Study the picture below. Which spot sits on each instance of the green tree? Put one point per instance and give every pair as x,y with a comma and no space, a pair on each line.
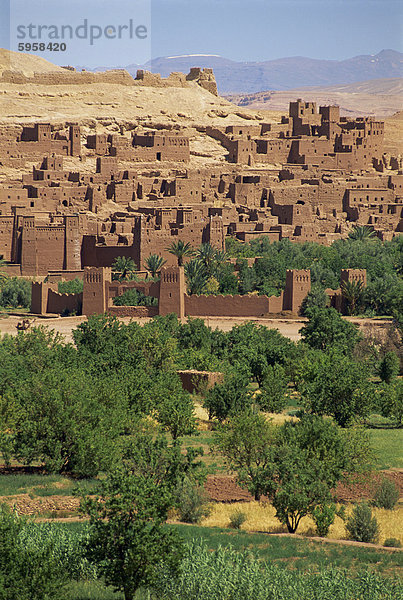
361,525
228,398
196,277
134,297
74,286
207,255
389,367
352,292
15,292
124,267
309,458
128,540
334,384
175,413
273,391
390,400
246,443
3,275
64,420
361,233
316,298
327,330
154,264
180,249
384,295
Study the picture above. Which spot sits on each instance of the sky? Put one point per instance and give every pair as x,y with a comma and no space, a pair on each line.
242,30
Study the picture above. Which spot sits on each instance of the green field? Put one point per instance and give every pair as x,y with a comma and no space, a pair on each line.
284,551
388,445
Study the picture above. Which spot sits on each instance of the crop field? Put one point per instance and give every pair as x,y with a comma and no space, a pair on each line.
260,517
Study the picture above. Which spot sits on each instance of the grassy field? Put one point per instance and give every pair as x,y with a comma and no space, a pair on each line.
293,553
260,517
388,444
41,485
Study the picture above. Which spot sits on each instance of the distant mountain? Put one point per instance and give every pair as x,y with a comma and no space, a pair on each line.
376,97
283,73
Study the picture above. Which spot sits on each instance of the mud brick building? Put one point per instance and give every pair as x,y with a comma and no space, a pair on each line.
73,197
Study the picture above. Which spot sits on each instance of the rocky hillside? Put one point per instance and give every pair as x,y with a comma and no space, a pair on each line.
107,103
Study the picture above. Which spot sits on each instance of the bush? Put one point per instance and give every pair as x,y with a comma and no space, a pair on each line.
134,297
392,543
75,286
16,292
361,525
389,367
191,502
237,519
323,516
386,494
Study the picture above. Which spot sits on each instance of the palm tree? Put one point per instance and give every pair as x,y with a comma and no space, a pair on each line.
125,266
352,292
196,276
211,258
180,250
361,233
154,263
207,254
3,275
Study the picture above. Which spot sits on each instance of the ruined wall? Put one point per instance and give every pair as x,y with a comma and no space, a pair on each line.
133,311
193,381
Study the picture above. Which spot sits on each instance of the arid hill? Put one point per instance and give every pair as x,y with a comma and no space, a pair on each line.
108,103
28,64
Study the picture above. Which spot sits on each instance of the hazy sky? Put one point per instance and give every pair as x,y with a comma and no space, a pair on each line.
250,30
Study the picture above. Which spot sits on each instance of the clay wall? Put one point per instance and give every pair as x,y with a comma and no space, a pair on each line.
133,311
193,381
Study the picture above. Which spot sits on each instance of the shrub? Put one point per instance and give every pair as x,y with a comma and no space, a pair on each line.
16,292
392,543
74,286
389,367
237,519
323,516
386,494
361,525
191,502
134,297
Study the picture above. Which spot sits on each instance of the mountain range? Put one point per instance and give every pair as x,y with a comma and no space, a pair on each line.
282,73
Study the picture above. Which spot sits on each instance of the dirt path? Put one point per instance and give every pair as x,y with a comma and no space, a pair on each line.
288,327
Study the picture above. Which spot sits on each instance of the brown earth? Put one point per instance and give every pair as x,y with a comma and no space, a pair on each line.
220,488
223,488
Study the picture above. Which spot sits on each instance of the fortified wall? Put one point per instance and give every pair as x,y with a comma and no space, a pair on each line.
203,77
99,291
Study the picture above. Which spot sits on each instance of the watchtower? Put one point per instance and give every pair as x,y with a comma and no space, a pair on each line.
297,286
354,275
75,140
95,292
172,291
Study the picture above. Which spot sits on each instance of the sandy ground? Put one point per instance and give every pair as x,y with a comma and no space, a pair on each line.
288,327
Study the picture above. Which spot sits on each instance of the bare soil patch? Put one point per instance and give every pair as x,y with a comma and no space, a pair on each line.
223,488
